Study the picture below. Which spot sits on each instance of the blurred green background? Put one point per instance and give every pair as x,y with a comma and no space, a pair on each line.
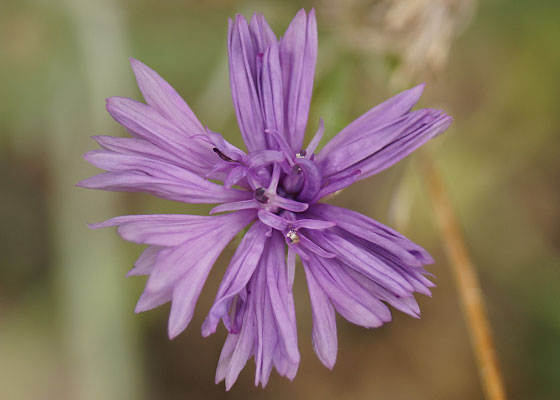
67,323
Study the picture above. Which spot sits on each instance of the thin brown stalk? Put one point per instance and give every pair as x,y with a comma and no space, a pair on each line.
470,294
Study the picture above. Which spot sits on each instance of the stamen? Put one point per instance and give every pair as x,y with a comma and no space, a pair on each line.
260,196
222,155
296,169
301,154
292,236
275,178
283,144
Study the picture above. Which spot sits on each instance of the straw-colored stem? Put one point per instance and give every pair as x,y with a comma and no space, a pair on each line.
470,294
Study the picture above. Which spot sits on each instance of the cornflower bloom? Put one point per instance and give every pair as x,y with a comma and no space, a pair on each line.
353,264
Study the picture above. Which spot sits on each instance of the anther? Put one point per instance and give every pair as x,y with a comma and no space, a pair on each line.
222,155
301,154
292,236
296,169
260,196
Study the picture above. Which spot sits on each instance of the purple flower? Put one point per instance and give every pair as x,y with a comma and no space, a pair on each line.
353,264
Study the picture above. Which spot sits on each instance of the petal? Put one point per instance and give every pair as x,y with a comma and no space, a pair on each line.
309,246
234,206
147,123
237,350
331,185
404,145
271,89
405,304
188,288
161,96
373,231
203,244
288,204
298,56
312,146
363,261
349,298
280,295
370,141
178,270
313,224
261,32
433,123
272,220
324,335
136,173
379,115
145,263
237,275
242,72
312,179
149,300
139,147
261,158
169,229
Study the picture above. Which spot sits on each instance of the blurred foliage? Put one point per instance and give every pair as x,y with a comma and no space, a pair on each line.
500,160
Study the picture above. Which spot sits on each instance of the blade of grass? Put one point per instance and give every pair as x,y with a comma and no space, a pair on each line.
470,294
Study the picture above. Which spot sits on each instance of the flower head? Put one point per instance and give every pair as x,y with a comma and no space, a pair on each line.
353,264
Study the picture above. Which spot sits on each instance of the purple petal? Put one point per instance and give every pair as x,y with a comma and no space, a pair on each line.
349,298
261,32
324,335
363,261
312,179
280,296
237,275
261,158
235,206
298,55
178,272
272,220
237,350
379,115
187,290
161,96
186,268
136,173
314,248
312,146
333,185
141,147
149,300
405,145
370,141
365,227
288,204
373,231
313,224
145,263
147,123
407,305
242,72
431,125
271,89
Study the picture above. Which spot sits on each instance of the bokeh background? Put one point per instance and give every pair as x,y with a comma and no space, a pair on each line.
67,326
